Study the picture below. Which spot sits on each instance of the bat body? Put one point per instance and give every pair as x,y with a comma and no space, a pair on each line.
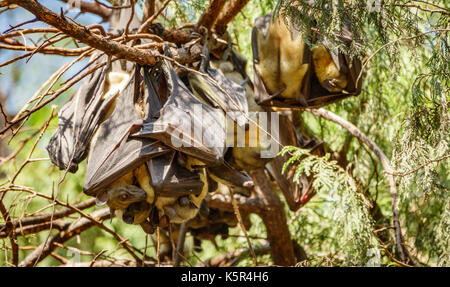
172,123
78,120
93,103
280,57
328,74
113,152
288,74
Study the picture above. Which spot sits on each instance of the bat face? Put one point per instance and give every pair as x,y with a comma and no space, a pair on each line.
121,195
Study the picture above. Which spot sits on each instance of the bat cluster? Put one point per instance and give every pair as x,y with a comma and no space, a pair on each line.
124,119
289,73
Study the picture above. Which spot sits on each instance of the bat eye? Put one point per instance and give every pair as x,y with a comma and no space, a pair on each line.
124,196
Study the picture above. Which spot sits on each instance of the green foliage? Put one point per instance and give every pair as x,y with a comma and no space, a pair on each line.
346,217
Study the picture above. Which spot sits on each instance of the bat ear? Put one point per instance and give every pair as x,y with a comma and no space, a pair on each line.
101,198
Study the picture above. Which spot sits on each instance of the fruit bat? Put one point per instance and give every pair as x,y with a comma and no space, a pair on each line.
244,156
181,121
287,74
113,153
78,119
172,98
280,58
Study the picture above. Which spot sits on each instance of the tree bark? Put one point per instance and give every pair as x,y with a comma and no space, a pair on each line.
275,220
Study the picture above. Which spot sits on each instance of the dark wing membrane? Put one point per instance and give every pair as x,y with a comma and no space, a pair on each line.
168,178
78,120
230,176
113,153
184,122
261,26
220,91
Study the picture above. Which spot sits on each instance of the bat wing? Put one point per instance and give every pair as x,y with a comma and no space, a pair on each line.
221,92
261,26
184,122
77,122
113,153
168,178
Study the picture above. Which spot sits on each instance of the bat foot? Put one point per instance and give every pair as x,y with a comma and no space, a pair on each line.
197,245
129,219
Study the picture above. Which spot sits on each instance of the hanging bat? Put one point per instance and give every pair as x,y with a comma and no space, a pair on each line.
78,120
244,156
113,153
281,60
180,113
288,75
80,117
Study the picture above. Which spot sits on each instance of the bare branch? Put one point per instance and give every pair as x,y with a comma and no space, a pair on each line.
85,36
209,16
70,231
96,8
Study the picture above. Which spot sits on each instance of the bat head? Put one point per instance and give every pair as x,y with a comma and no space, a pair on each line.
120,196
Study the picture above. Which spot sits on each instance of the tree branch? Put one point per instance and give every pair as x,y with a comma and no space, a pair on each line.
85,36
36,220
209,16
71,230
94,8
231,10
